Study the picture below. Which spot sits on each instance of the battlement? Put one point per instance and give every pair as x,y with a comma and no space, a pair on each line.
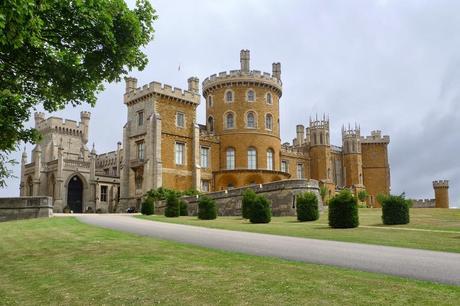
163,90
376,137
319,124
441,184
85,115
351,132
60,125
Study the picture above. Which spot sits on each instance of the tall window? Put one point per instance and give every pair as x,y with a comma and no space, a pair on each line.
210,102
251,122
180,150
252,158
321,138
269,98
269,122
205,185
140,118
300,171
284,166
251,95
204,157
140,151
230,121
210,124
229,96
270,159
103,193
230,158
180,119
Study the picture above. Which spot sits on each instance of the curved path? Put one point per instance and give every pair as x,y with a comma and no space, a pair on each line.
434,266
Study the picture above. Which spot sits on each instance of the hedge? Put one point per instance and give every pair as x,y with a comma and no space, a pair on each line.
307,207
260,211
172,208
249,197
343,210
148,206
395,210
207,208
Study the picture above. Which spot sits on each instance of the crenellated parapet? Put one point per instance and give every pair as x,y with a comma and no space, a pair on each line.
441,184
59,125
376,137
162,90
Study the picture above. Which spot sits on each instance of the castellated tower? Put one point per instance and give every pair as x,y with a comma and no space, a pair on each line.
320,150
352,159
242,109
441,193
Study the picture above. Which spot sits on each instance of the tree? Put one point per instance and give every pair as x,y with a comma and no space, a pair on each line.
260,210
395,209
343,210
362,196
55,52
172,208
207,209
249,197
148,206
323,193
307,207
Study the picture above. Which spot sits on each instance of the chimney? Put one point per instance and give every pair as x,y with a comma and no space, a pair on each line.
244,60
300,134
193,85
276,70
131,84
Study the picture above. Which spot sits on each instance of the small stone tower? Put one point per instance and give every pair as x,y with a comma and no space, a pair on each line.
441,193
320,150
85,117
352,159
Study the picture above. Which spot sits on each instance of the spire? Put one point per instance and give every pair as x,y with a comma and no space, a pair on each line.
93,151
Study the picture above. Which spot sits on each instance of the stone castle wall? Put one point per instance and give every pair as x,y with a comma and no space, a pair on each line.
281,194
425,203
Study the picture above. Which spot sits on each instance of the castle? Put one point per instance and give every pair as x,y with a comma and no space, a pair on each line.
163,145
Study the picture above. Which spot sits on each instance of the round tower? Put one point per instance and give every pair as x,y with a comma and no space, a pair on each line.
85,117
242,108
320,150
352,158
441,193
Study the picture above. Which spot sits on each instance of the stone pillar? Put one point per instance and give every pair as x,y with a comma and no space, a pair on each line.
59,192
37,170
441,193
244,61
92,180
196,176
276,70
300,129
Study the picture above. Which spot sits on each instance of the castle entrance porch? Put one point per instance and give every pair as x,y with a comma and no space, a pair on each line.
75,194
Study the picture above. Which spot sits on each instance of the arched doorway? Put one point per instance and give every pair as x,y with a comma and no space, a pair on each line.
75,194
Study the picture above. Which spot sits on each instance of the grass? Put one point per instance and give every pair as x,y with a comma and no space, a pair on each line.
62,261
440,228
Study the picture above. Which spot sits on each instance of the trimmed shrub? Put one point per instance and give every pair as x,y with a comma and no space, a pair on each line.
260,211
307,207
183,208
395,210
172,208
66,210
148,206
249,197
343,210
207,208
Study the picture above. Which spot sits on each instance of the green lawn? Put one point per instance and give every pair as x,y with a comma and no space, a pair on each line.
62,261
447,221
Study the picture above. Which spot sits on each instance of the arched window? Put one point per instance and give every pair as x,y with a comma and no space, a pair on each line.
210,124
229,96
250,120
270,159
230,121
269,122
230,158
251,96
210,102
252,158
269,98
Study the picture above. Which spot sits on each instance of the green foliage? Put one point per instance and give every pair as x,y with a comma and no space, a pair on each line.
207,208
183,208
249,197
362,195
343,210
260,211
395,210
307,207
148,206
172,208
55,52
323,193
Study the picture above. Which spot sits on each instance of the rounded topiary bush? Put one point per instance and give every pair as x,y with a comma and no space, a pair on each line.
395,210
172,208
249,197
260,210
307,207
343,210
206,208
148,206
183,208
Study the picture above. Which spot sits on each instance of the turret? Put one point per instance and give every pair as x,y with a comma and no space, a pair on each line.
85,117
441,193
276,70
351,139
319,131
352,158
300,130
244,60
193,85
131,84
39,118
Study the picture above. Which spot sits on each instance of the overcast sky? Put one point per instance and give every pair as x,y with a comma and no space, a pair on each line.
387,65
